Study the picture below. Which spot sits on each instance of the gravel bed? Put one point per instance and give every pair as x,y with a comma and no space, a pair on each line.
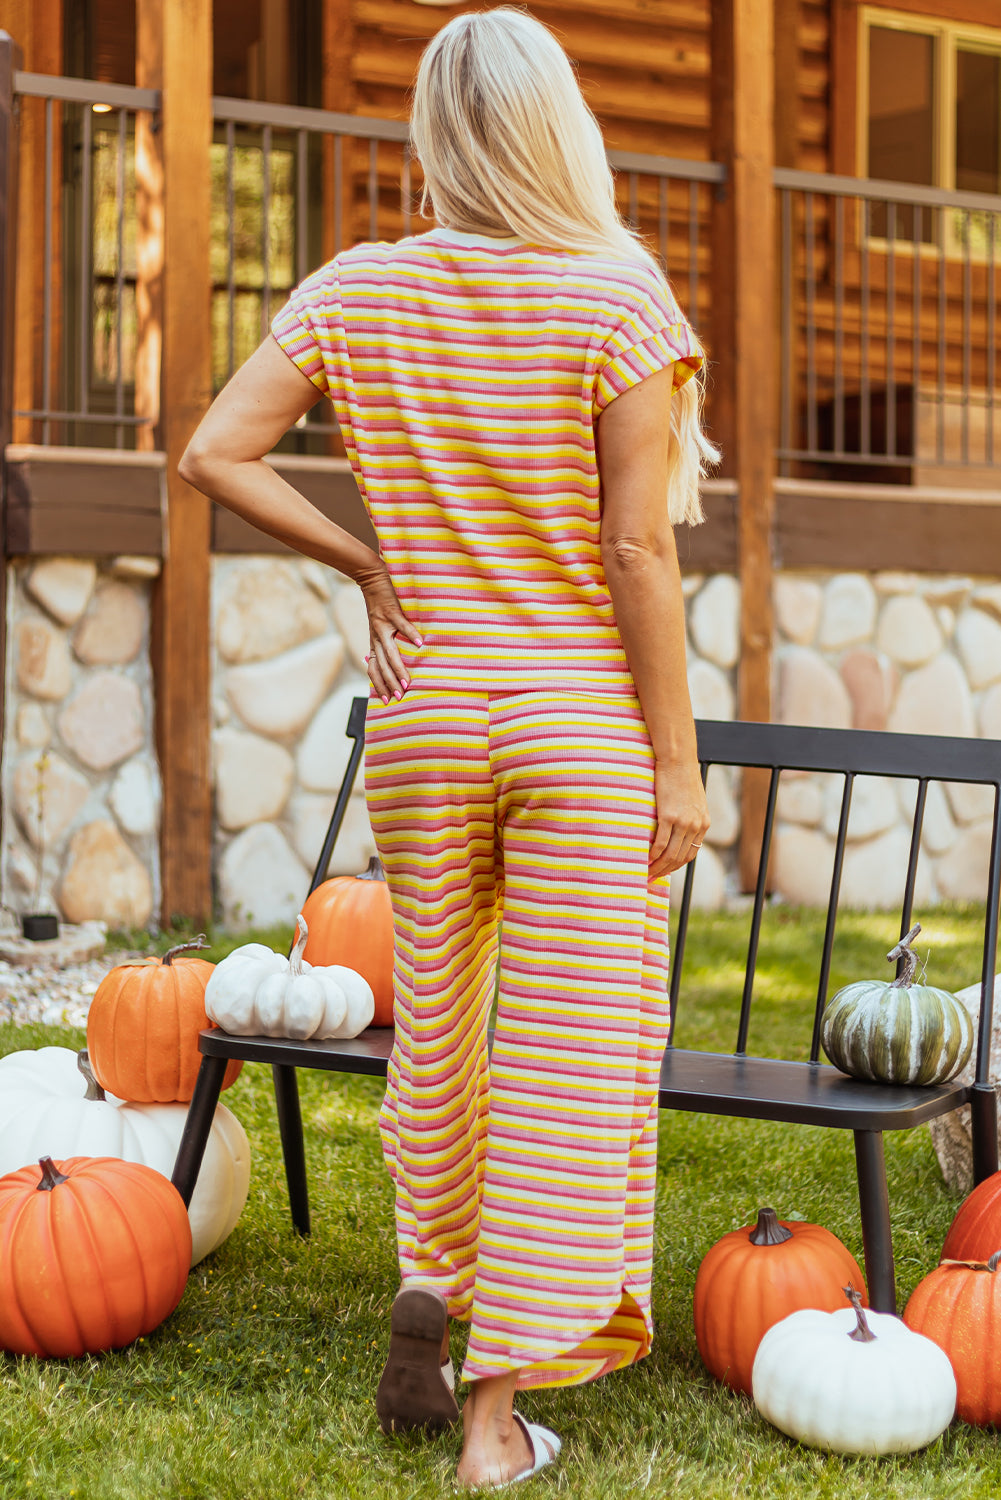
52,995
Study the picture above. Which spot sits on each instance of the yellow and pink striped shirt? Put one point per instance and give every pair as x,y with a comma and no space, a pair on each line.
467,373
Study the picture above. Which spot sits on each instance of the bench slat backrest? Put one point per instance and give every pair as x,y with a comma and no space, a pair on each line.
850,753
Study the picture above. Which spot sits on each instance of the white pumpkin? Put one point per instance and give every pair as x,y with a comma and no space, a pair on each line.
360,997
50,1107
257,992
853,1381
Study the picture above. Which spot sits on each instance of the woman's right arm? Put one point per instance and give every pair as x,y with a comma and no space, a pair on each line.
641,567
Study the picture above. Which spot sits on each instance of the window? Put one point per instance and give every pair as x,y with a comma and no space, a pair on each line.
931,115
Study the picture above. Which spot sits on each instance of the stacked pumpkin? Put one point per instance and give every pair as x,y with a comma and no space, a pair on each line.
99,1208
833,1376
350,922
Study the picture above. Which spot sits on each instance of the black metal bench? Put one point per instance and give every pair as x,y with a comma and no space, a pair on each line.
802,1093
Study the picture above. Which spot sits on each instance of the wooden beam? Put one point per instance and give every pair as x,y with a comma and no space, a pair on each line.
744,352
174,38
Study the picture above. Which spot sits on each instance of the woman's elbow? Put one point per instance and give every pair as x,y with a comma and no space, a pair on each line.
630,553
195,463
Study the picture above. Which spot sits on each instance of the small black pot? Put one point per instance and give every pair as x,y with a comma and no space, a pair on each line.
40,928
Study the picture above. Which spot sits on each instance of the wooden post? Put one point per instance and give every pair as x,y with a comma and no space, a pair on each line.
10,61
37,28
174,40
745,350
339,96
149,227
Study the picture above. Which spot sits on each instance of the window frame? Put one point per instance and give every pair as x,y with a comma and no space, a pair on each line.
949,37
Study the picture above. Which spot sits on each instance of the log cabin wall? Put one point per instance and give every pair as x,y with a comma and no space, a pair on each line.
643,65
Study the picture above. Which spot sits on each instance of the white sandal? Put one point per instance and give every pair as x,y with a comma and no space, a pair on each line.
545,1446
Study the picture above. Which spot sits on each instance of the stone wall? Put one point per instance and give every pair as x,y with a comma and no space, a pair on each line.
78,742
886,650
289,641
918,654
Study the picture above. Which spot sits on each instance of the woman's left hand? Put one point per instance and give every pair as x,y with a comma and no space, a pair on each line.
386,620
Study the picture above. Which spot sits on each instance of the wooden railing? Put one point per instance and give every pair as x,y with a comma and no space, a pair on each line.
888,338
889,330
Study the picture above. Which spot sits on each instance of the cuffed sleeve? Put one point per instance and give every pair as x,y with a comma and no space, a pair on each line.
305,326
654,335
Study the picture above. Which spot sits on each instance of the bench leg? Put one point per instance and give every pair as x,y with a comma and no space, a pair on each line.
198,1125
293,1148
984,1120
874,1202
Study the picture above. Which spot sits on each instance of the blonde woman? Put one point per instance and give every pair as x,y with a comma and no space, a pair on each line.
519,397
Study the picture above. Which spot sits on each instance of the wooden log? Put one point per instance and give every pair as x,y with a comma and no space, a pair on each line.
176,38
743,336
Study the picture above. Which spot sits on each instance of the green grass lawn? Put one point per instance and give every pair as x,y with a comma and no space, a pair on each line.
262,1383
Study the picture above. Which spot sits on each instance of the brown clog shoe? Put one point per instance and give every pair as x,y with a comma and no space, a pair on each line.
414,1392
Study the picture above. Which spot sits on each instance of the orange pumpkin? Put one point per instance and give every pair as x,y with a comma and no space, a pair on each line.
350,921
976,1230
143,1025
753,1278
94,1252
958,1307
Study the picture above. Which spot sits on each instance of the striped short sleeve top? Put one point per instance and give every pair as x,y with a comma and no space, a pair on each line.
467,373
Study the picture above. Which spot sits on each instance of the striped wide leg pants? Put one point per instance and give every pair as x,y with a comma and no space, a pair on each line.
524,1182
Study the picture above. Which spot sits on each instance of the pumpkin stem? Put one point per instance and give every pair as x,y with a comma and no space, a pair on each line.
374,871
295,957
861,1333
907,958
51,1175
768,1230
977,1265
95,1094
198,942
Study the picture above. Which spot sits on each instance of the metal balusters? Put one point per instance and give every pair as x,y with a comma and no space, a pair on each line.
301,205
663,220
120,282
891,308
785,314
810,272
230,250
991,314
787,394
265,230
940,395
832,915
85,319
916,263
693,246
47,277
839,325
373,189
988,456
865,392
759,906
338,193
964,430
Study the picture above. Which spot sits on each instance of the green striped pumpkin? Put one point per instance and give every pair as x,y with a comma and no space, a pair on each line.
898,1032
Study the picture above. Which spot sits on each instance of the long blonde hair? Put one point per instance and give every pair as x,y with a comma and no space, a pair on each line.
508,145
